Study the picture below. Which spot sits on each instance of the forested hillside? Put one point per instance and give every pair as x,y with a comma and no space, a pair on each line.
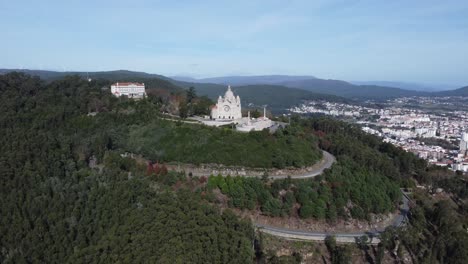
292,89
58,205
348,90
364,181
151,81
457,92
168,141
69,196
276,97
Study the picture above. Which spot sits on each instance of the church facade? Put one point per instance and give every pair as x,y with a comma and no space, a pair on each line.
227,107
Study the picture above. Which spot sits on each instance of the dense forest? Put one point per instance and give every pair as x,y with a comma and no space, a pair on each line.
325,197
58,206
368,173
67,193
363,181
169,141
277,97
437,232
139,127
136,127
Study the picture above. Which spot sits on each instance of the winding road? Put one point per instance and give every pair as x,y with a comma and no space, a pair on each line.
326,162
315,170
294,234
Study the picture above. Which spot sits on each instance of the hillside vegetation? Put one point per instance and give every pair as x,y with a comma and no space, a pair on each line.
67,195
276,97
364,180
169,141
151,81
348,90
327,89
58,206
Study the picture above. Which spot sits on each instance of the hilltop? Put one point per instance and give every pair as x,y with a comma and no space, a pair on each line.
276,91
152,81
425,87
457,92
110,75
276,97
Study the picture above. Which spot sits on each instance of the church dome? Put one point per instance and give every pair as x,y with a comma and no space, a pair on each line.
229,94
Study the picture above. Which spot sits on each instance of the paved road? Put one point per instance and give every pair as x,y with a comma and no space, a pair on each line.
326,162
340,237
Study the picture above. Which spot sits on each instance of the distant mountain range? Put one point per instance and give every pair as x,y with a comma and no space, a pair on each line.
285,79
110,75
457,92
276,91
151,80
313,84
276,98
246,80
408,85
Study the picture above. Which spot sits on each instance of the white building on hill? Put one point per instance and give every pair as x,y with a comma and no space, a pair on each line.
130,89
257,124
227,111
227,107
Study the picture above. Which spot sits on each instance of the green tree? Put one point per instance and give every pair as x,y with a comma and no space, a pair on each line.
191,94
306,210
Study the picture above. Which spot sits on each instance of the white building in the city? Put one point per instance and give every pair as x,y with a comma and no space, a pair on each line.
130,89
425,132
462,166
464,143
227,107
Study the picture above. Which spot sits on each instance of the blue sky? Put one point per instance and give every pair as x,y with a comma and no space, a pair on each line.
414,41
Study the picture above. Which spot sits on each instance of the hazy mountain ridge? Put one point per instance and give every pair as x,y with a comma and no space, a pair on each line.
212,87
246,80
408,85
463,91
348,90
277,98
316,85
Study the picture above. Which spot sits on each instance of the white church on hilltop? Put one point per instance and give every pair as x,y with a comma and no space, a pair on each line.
227,107
228,111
